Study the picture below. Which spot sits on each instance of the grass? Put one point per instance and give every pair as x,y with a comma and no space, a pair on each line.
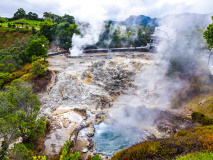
31,23
184,142
202,104
197,156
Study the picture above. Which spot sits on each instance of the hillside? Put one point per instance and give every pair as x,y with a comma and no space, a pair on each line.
187,20
141,19
9,35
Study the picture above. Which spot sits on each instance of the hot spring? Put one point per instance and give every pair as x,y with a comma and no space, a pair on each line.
112,137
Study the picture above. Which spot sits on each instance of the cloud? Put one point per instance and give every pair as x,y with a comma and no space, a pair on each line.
107,9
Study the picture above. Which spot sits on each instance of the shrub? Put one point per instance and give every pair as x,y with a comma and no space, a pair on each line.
38,69
197,156
9,25
65,152
197,116
96,157
196,139
19,109
4,78
20,152
201,118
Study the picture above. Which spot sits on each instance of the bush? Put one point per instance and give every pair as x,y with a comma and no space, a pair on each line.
38,69
20,152
201,118
9,25
197,156
197,116
19,108
35,48
192,140
4,78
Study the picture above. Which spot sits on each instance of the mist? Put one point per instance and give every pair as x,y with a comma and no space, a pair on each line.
181,57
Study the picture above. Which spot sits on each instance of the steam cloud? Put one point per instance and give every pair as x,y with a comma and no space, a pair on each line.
90,35
155,90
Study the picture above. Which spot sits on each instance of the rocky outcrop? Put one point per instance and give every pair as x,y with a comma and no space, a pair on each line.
169,123
113,78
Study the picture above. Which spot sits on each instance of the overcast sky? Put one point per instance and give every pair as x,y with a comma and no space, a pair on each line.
106,9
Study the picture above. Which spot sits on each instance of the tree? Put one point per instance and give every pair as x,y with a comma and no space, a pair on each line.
4,78
38,69
208,35
32,16
19,109
19,14
2,20
68,18
4,148
48,30
116,38
34,48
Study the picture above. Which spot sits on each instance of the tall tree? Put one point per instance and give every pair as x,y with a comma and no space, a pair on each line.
19,14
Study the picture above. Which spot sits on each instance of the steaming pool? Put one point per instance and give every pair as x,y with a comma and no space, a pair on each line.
110,138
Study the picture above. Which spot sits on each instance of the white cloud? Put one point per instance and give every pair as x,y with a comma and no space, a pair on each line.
107,9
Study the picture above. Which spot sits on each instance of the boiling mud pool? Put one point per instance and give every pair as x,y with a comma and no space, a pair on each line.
110,138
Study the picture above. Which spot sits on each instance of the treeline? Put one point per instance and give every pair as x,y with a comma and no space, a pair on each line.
21,14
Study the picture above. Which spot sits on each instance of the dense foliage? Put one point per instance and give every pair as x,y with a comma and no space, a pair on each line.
38,69
21,13
19,108
20,53
208,35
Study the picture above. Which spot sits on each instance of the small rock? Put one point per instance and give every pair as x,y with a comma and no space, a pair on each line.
99,115
202,102
85,150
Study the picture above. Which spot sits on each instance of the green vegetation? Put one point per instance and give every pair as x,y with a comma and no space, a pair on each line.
208,35
4,78
66,155
19,108
202,104
14,58
8,36
186,141
197,156
201,118
38,69
2,20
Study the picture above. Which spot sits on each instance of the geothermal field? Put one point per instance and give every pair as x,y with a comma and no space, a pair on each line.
107,102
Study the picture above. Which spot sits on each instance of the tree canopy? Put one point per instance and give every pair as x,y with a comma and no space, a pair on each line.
19,108
208,35
19,14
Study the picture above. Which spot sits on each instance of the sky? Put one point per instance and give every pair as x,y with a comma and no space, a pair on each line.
106,9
